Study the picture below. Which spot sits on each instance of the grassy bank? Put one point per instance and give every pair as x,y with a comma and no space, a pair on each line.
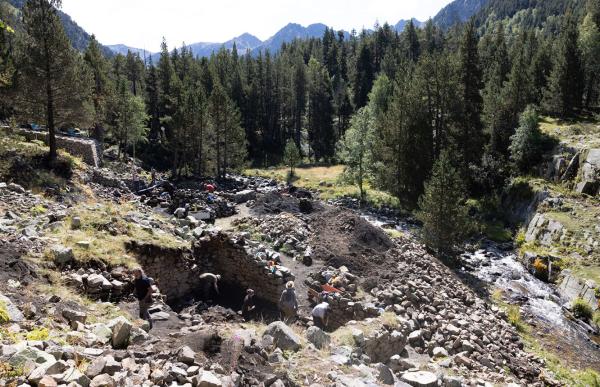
328,182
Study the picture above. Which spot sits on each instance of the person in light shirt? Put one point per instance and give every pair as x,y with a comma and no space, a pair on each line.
320,314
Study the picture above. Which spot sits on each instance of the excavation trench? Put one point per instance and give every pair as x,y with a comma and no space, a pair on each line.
176,272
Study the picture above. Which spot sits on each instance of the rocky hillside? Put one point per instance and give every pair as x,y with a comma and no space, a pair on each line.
68,316
561,234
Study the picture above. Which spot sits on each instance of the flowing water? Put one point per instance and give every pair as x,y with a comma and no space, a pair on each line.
539,301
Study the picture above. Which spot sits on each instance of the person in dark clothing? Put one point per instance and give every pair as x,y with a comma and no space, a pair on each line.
143,292
248,307
288,304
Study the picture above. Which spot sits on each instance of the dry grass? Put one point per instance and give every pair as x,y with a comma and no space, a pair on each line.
104,227
326,180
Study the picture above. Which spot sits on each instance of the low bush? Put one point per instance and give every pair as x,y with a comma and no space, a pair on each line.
581,309
4,317
38,334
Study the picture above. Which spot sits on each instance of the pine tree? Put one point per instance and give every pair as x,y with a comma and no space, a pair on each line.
564,93
589,43
526,143
469,132
444,216
53,84
355,149
291,157
152,101
405,145
365,75
128,124
321,134
227,142
103,88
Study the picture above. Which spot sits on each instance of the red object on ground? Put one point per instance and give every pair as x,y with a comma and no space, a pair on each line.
330,289
210,188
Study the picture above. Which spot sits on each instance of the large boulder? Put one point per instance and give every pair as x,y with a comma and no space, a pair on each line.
186,355
14,314
420,379
121,329
30,354
103,380
62,255
244,196
208,379
74,316
284,337
316,336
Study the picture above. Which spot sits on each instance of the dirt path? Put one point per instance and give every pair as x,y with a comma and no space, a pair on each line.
301,272
225,223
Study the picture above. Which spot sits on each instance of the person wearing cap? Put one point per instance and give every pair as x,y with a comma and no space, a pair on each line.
210,282
143,293
248,306
320,315
288,303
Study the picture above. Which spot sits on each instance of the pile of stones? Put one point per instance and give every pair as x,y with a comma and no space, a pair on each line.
285,232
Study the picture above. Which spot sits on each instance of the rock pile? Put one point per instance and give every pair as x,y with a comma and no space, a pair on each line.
286,232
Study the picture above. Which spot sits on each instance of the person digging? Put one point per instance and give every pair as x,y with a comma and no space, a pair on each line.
320,315
143,292
248,307
288,303
210,283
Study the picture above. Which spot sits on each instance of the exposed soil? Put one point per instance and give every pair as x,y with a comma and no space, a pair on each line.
343,238
273,203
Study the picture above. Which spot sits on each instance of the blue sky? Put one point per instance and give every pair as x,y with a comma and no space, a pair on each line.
142,23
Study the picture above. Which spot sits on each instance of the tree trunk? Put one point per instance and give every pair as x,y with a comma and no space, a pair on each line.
50,108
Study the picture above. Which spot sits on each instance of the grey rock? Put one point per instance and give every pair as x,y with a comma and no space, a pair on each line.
103,380
318,337
62,255
121,329
186,355
14,314
208,379
420,379
284,336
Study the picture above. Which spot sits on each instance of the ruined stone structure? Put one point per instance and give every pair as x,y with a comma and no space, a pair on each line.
85,148
238,266
342,310
173,269
176,271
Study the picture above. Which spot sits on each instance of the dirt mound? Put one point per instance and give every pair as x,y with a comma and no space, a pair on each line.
343,238
275,203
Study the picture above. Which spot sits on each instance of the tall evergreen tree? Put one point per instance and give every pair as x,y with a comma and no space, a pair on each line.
53,84
565,84
321,134
589,43
468,136
103,88
227,140
444,216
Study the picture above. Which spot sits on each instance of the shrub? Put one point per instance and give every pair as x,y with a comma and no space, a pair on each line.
596,318
513,314
520,238
581,309
38,334
4,317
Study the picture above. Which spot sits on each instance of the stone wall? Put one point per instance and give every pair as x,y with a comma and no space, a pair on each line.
176,271
81,147
342,310
173,269
238,266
